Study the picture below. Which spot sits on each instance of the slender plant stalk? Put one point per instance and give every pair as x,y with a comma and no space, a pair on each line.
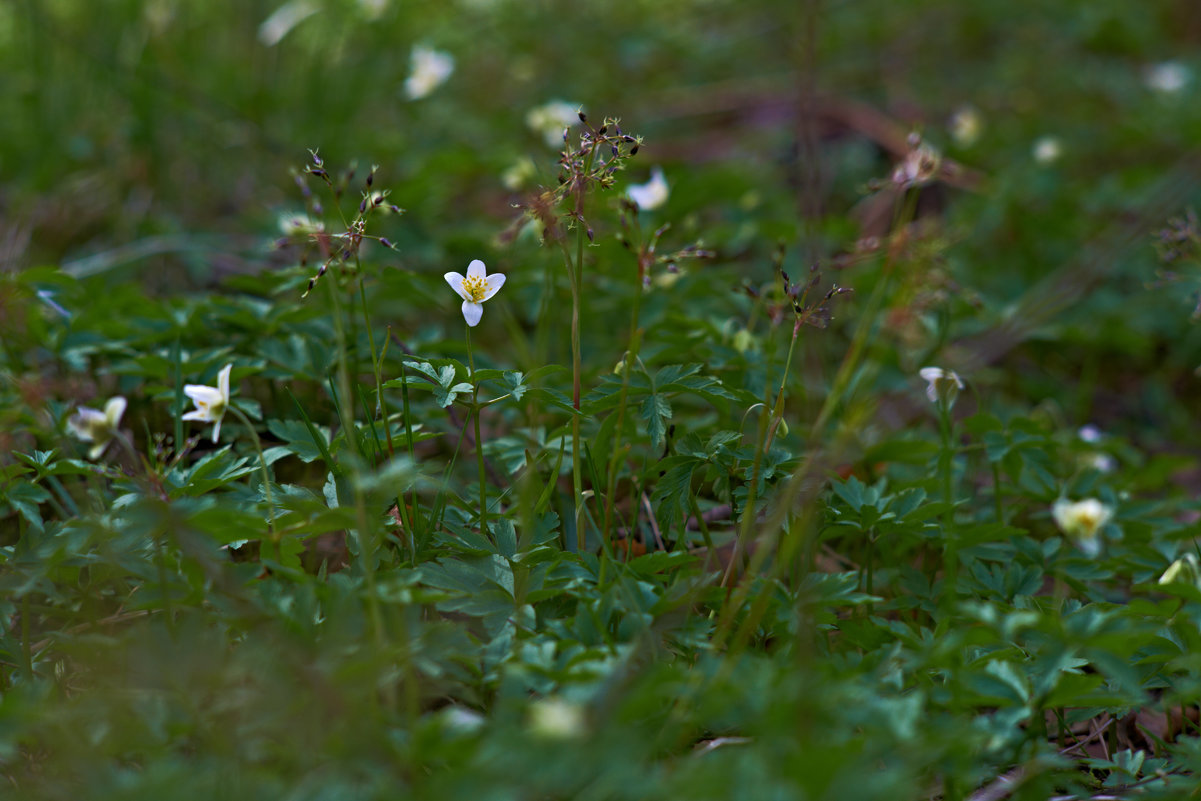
479,443
365,531
950,572
631,358
258,448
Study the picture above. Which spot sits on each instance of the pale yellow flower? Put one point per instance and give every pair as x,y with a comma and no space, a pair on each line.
550,120
474,288
1082,521
98,427
211,402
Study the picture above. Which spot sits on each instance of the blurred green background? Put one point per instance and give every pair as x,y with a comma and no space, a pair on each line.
152,140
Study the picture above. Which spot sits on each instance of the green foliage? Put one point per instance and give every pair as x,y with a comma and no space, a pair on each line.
678,520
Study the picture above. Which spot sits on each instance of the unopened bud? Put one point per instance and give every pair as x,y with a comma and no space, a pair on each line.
603,129
634,149
583,116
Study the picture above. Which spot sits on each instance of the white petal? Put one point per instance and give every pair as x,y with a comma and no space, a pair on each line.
492,285
201,394
96,450
113,411
472,312
456,283
217,430
84,422
203,415
476,269
223,382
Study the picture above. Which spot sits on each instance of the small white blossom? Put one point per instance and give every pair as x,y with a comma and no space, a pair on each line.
551,119
652,194
292,224
97,427
429,69
1090,434
556,719
474,288
965,126
1047,150
1167,77
941,385
1082,521
211,402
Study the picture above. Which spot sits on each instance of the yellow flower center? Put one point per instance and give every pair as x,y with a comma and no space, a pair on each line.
475,288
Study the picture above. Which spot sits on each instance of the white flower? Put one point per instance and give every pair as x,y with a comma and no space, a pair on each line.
1090,434
551,119
1082,521
211,402
966,125
941,385
97,427
429,69
652,194
1167,77
556,719
299,225
474,289
1047,150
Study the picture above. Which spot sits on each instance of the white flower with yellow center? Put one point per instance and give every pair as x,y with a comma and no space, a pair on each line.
97,427
474,288
429,69
211,402
1082,521
652,194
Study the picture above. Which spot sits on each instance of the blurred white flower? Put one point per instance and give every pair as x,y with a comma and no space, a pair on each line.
1101,462
474,288
211,402
292,224
1185,570
1090,434
520,173
551,119
965,126
556,719
284,19
428,70
1047,150
1167,77
652,194
941,385
97,427
1082,521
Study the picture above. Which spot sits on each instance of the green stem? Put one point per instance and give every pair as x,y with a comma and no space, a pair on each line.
479,443
412,459
630,358
577,473
258,448
950,543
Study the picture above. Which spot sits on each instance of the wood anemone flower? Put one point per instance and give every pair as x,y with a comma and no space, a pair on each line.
211,402
474,288
97,427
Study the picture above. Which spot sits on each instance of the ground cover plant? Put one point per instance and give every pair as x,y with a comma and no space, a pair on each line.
699,399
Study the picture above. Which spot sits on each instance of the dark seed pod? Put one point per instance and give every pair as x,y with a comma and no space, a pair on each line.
614,149
363,206
386,243
633,150
583,116
603,130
